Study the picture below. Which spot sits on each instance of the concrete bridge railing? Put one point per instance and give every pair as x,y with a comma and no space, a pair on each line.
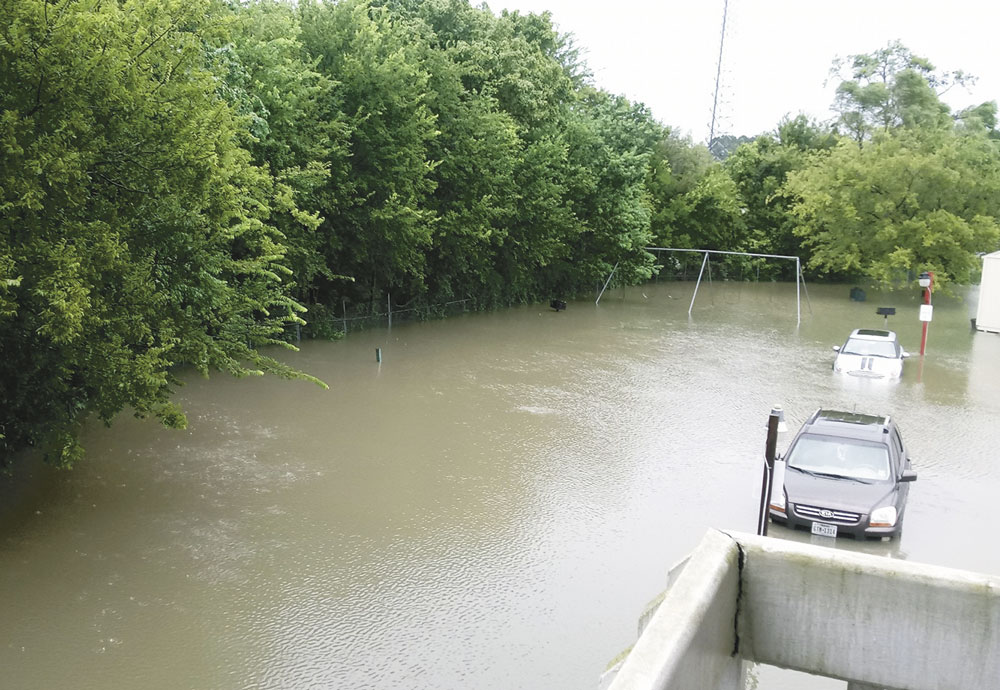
872,621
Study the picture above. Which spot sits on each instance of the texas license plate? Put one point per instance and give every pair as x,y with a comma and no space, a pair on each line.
824,530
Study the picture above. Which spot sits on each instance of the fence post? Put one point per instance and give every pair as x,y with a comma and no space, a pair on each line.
765,489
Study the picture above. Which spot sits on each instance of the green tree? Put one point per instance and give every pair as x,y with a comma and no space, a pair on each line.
293,132
610,141
979,119
905,203
533,171
134,230
676,166
759,170
891,87
376,223
696,204
913,189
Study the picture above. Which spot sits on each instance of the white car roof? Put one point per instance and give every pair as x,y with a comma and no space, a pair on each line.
872,334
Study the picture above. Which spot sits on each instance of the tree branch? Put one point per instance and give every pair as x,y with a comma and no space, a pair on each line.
152,43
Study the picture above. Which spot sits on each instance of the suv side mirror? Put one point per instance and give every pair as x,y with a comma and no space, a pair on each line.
836,348
905,354
908,476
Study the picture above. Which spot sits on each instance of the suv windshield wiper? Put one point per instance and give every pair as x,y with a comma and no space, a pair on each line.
831,475
802,470
842,476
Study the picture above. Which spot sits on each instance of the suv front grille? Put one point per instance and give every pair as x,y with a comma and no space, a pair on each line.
840,517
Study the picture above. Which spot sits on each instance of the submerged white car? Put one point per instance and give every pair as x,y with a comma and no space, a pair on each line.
871,354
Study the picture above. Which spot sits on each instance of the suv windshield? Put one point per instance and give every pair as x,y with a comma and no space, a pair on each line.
842,457
869,348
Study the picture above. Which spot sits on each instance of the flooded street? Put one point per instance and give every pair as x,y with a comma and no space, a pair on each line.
489,507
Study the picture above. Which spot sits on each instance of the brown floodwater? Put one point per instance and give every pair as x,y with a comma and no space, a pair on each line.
489,507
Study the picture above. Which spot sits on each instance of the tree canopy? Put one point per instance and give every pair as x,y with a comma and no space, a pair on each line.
911,188
135,227
901,205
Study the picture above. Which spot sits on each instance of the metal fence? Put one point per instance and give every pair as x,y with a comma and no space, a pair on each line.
323,323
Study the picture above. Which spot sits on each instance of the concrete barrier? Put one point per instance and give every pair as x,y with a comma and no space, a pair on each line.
869,619
689,641
872,621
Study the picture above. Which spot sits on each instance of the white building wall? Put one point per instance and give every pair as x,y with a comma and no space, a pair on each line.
988,313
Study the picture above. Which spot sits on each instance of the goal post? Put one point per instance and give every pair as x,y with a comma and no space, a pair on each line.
800,282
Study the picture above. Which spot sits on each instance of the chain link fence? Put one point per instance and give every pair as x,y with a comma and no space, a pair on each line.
325,323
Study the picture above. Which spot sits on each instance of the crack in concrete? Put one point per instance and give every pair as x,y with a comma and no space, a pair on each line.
741,560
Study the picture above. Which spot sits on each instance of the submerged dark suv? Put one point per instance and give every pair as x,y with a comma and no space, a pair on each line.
845,473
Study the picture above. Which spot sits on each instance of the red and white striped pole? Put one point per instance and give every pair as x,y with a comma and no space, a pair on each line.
927,283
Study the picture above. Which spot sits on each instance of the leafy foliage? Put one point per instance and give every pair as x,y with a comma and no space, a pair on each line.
899,206
891,88
912,189
760,170
134,227
695,202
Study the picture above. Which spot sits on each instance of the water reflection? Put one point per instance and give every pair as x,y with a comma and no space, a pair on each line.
890,548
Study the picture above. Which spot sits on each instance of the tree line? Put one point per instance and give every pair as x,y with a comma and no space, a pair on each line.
187,181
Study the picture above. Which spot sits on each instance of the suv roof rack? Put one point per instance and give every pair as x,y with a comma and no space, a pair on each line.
850,418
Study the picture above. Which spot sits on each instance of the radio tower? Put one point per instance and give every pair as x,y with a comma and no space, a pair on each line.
718,76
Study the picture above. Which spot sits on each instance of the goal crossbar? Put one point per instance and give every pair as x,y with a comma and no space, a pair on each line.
800,282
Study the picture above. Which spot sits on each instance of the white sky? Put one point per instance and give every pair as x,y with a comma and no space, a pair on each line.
777,52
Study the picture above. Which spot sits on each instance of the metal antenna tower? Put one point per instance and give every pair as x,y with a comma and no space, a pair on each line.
718,75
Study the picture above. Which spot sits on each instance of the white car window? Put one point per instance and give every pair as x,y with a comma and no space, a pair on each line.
869,348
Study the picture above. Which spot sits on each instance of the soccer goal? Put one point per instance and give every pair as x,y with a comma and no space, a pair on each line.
800,282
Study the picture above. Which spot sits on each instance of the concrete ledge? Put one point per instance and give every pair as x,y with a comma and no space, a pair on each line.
690,640
869,619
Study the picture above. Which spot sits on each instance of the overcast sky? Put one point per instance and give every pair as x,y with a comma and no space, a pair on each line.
777,52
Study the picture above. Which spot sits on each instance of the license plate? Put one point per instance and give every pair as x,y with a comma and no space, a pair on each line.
824,530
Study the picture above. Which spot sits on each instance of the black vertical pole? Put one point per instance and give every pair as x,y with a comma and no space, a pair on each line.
765,488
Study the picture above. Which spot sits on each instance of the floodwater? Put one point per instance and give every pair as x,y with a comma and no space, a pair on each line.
492,506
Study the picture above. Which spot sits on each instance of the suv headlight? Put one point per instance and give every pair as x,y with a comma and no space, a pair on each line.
883,517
